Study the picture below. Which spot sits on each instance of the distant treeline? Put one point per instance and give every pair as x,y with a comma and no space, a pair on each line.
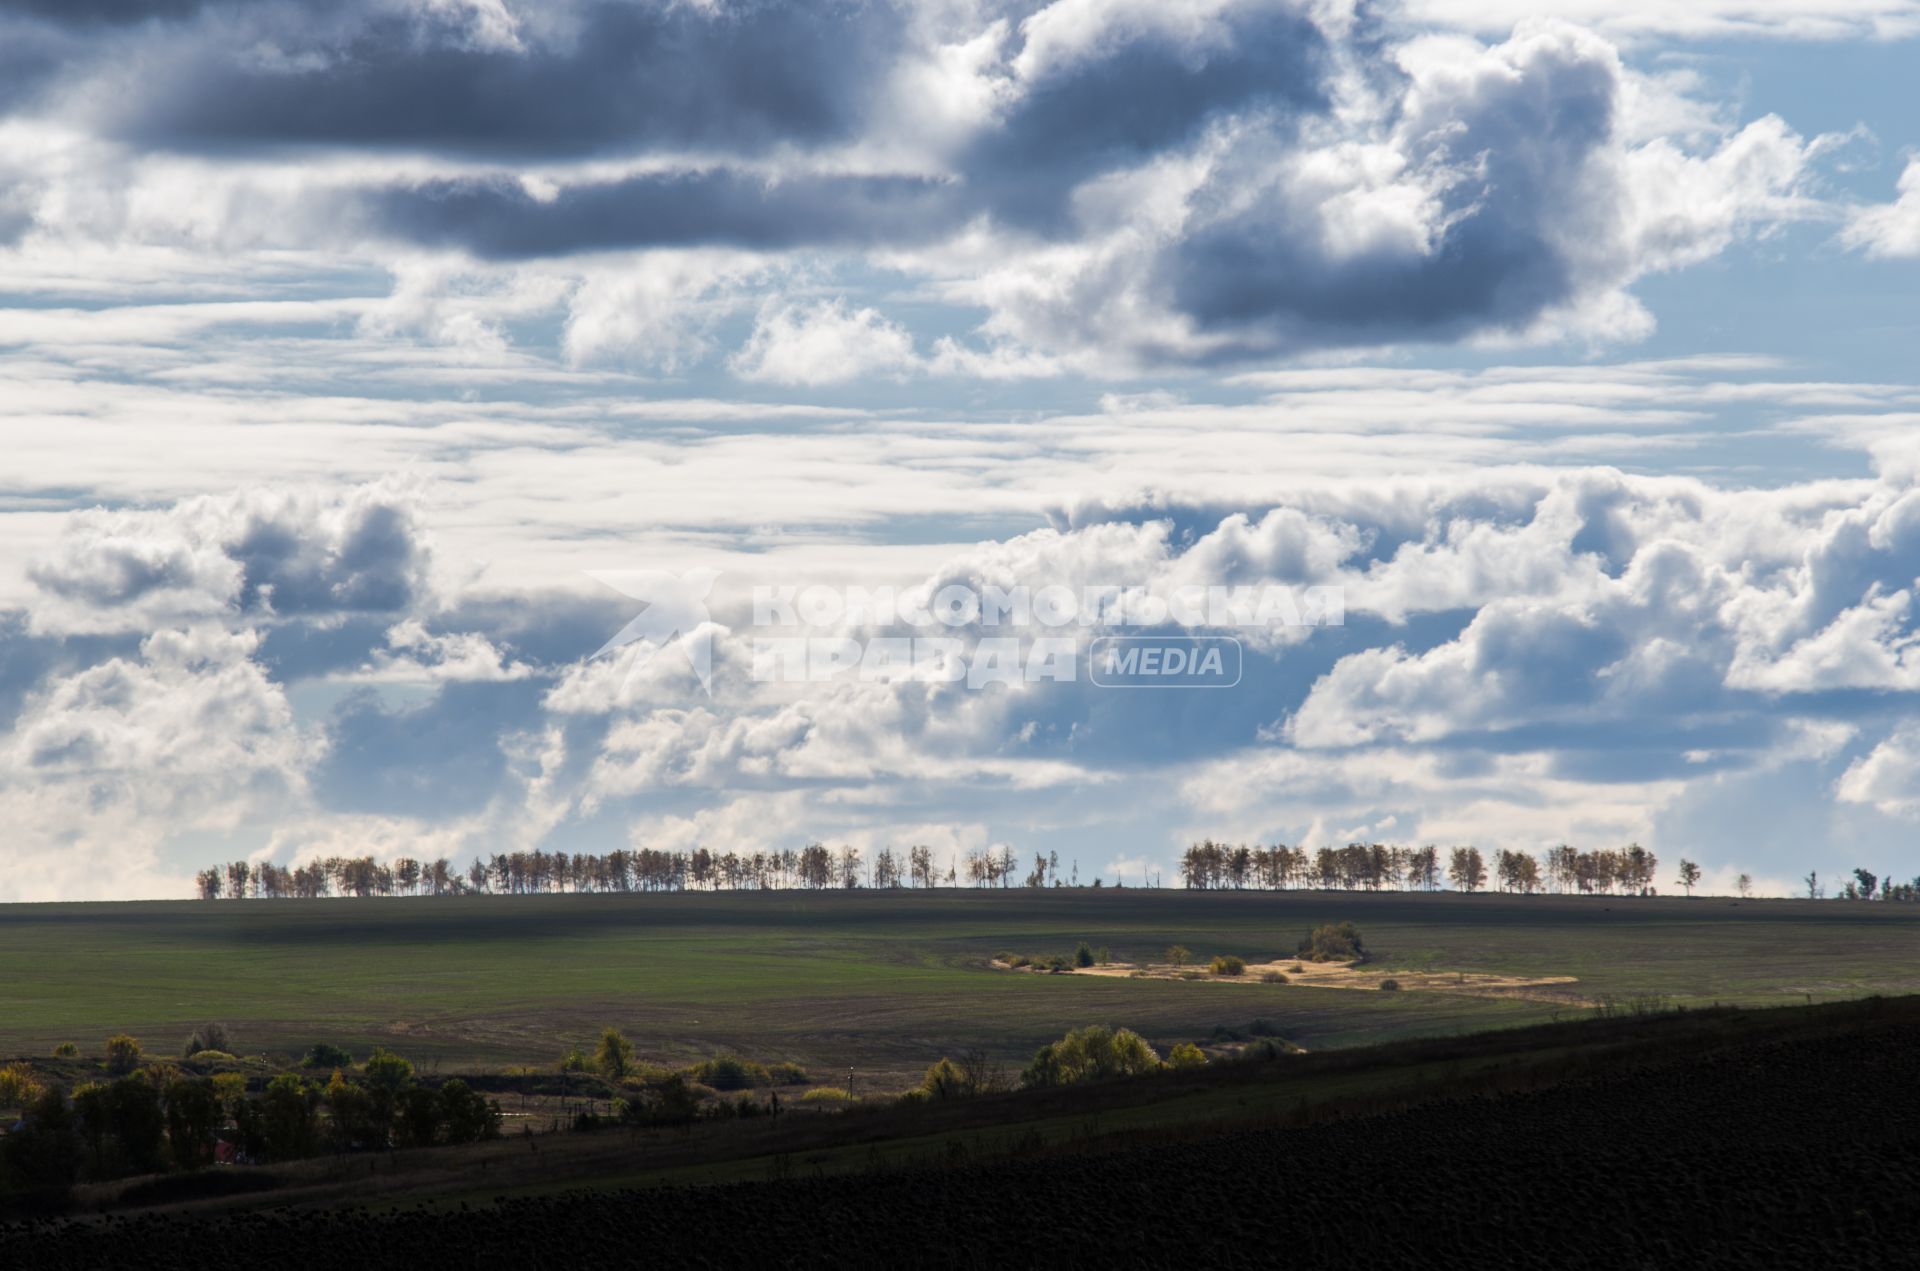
1626,871
1378,866
1207,865
814,867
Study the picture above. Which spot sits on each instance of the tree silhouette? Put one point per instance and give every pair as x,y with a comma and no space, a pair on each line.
1689,875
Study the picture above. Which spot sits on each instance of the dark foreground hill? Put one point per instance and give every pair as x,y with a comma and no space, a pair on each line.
1797,1150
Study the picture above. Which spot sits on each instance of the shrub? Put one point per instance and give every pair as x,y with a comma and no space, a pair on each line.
1083,956
207,1037
641,1074
943,1080
1186,1055
123,1054
1272,977
1332,942
202,1060
65,1050
1179,954
614,1055
1227,964
826,1094
327,1055
231,1087
1296,969
671,1102
1019,960
1094,1053
1389,986
787,1073
465,1115
18,1088
729,1072
387,1071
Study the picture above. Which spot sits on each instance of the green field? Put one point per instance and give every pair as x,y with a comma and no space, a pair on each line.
879,981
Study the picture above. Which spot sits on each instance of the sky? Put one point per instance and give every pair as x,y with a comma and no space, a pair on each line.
353,354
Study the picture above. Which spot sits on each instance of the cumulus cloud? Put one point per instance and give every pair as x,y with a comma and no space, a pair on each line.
1114,186
1887,777
103,764
193,705
1620,601
263,552
480,242
824,343
415,655
1492,193
657,309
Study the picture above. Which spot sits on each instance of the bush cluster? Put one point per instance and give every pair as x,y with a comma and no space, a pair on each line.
1094,1053
207,1037
327,1055
1332,942
154,1120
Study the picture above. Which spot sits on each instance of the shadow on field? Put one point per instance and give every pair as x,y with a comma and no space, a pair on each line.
1720,1138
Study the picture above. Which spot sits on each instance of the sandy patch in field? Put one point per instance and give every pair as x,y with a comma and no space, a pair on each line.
1340,975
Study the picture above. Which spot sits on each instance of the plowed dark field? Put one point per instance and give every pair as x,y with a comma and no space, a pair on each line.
1802,1152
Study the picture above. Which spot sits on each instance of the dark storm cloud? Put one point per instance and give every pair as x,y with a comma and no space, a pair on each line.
1095,115
85,12
1527,139
631,77
744,104
258,550
372,561
1135,101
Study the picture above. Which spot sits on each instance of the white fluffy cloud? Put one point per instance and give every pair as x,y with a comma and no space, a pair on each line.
1887,777
824,343
106,763
1891,229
